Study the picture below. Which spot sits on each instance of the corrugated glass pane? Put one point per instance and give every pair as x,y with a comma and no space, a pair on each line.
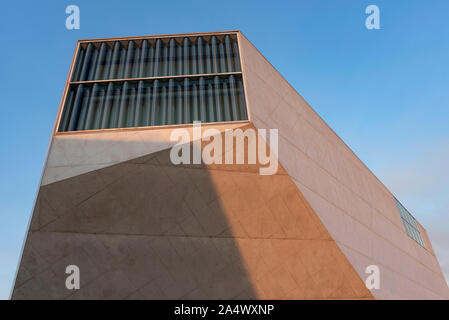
157,57
137,103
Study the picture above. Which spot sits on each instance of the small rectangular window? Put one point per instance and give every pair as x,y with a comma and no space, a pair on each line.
411,227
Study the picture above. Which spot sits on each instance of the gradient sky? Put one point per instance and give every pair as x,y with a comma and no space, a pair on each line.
385,92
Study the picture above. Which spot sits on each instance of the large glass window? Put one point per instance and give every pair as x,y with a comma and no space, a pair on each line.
137,103
157,57
151,82
411,227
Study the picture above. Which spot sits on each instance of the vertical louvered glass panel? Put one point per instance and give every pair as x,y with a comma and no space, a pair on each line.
137,103
157,57
155,81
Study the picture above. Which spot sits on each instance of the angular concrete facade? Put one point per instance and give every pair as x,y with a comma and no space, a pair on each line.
140,227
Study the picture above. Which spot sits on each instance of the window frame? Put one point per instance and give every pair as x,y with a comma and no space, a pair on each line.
235,34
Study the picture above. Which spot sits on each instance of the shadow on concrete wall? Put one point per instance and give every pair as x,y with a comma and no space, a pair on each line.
148,229
144,228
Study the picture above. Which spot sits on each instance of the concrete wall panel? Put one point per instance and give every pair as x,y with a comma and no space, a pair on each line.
76,153
148,229
356,208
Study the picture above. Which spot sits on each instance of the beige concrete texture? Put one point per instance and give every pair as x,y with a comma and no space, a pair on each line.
76,153
148,229
355,207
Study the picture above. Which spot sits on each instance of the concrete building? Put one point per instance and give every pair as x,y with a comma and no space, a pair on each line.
140,227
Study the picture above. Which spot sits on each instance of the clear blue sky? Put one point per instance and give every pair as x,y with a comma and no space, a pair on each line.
385,92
